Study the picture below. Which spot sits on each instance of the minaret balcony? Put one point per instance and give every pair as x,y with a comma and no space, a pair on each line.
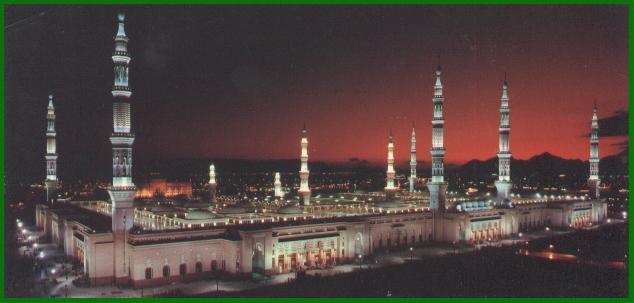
125,139
504,155
437,151
121,91
121,38
121,56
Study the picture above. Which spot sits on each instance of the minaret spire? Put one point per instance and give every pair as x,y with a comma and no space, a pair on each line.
412,161
123,189
212,185
437,187
304,189
278,186
390,189
593,180
51,153
503,184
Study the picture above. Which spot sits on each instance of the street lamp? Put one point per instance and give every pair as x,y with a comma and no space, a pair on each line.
34,245
411,253
19,224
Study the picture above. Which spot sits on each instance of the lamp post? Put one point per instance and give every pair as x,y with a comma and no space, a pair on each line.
411,254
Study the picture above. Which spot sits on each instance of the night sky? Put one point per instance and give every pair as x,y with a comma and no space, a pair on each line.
238,82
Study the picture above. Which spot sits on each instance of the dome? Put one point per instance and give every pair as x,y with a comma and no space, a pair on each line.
290,209
195,204
199,215
387,204
233,209
159,209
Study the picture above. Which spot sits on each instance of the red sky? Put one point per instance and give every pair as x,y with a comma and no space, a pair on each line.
238,82
558,62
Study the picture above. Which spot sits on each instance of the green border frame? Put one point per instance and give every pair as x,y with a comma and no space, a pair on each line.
386,2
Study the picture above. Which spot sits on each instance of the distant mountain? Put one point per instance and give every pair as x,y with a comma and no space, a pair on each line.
544,168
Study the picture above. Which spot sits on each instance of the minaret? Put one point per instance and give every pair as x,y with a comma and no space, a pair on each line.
390,190
278,186
51,153
594,181
503,184
304,190
122,190
437,187
412,161
212,184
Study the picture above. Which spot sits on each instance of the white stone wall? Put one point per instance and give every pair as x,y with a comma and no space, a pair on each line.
156,256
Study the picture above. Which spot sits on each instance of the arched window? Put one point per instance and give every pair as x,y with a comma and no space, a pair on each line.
183,269
199,267
148,273
166,271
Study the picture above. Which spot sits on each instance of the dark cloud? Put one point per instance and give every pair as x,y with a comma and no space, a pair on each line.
615,125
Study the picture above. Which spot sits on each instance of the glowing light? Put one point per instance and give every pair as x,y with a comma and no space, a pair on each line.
19,224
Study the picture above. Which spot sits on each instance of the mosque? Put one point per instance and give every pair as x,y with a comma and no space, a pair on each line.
147,243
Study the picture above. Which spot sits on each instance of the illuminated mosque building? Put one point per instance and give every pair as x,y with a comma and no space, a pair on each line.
128,243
